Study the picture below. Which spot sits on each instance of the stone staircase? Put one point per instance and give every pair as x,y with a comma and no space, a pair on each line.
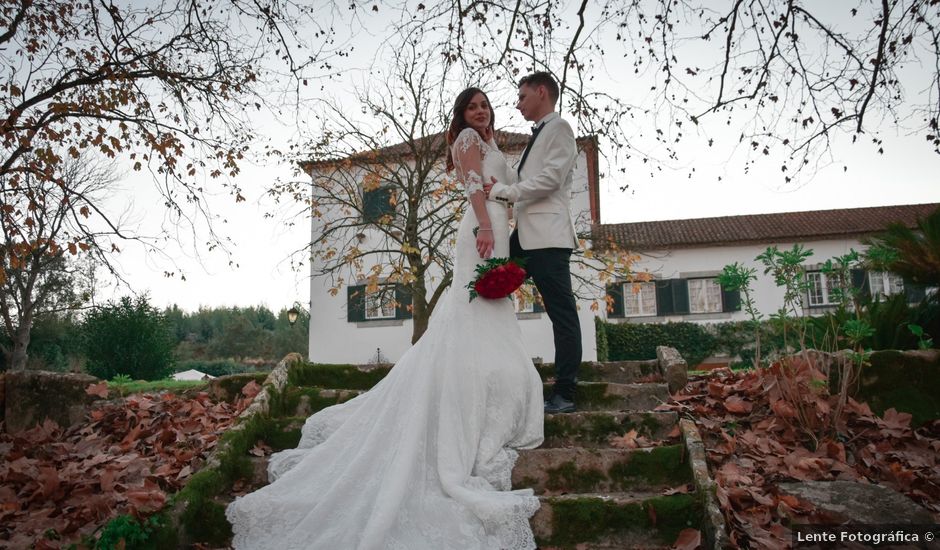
596,493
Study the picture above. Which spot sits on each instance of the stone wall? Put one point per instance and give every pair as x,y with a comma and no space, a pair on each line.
30,397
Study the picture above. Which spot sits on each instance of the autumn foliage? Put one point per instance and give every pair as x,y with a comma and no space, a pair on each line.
755,436
125,459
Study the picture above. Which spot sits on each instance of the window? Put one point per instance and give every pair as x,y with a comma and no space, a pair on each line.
639,299
377,203
380,304
528,300
884,284
820,289
704,296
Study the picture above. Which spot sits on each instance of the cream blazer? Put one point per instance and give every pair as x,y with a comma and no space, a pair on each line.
542,193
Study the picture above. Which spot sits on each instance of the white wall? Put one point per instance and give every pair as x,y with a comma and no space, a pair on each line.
709,261
334,340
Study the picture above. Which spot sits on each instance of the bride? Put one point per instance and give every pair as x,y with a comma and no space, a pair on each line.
423,460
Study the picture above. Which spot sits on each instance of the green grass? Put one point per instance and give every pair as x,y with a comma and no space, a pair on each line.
140,386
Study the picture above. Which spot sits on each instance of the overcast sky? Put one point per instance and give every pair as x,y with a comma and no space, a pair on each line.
906,173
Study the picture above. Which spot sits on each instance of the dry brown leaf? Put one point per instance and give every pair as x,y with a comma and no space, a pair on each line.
98,390
689,539
626,441
738,405
251,389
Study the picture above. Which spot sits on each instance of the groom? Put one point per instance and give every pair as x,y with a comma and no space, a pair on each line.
545,234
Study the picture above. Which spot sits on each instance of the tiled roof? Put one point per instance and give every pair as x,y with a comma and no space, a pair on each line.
763,228
506,141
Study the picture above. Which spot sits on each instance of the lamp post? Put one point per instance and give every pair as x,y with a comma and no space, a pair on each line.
292,314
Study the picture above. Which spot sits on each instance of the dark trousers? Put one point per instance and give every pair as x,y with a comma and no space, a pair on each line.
551,272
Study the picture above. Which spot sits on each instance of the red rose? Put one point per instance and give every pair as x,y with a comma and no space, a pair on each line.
497,278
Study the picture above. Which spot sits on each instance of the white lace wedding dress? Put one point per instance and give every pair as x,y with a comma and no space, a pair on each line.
423,460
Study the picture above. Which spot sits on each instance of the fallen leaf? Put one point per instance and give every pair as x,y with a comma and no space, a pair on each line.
689,539
626,441
98,390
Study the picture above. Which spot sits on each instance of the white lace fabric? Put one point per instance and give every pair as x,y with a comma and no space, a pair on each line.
469,152
423,460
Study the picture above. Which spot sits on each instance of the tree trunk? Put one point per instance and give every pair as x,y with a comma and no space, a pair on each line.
18,355
419,309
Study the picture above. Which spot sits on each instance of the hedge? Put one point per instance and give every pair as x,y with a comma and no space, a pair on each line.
629,341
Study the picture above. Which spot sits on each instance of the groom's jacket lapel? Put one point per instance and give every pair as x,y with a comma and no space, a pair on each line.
528,147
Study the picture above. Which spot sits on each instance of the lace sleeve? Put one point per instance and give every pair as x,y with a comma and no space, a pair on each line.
468,154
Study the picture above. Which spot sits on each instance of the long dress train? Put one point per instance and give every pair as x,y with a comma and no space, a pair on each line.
423,459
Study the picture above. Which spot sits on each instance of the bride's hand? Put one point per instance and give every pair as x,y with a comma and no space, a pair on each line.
487,134
485,243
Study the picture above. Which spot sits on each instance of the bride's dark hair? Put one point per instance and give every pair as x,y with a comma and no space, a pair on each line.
457,121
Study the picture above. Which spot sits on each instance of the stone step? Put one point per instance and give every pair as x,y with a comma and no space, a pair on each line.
595,428
302,401
590,396
608,396
579,470
619,520
620,372
363,377
350,377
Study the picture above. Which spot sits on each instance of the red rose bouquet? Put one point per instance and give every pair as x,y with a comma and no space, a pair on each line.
497,278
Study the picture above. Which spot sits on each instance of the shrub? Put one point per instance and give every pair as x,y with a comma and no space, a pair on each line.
128,337
600,332
629,341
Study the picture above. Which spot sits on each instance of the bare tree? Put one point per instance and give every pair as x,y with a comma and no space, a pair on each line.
38,254
788,76
384,207
168,86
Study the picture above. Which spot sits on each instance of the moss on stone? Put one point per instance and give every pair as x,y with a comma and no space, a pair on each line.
649,425
568,477
585,520
153,533
286,403
229,387
906,381
282,433
347,377
202,518
660,466
600,428
526,482
590,396
205,522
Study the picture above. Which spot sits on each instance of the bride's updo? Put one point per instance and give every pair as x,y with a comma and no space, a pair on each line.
457,121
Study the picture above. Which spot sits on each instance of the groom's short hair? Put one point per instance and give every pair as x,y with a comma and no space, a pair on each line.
542,78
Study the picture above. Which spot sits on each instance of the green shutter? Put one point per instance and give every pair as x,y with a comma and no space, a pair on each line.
680,296
914,292
615,291
730,300
664,298
355,303
375,204
404,299
861,283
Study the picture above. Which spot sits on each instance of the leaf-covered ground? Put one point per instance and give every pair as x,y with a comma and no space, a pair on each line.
57,485
766,426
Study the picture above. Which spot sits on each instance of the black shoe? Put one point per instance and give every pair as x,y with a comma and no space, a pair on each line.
558,404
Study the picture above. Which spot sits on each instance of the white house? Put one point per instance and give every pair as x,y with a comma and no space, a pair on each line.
686,256
345,328
683,256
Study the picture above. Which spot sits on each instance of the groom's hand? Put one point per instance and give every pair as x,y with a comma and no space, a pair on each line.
488,186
